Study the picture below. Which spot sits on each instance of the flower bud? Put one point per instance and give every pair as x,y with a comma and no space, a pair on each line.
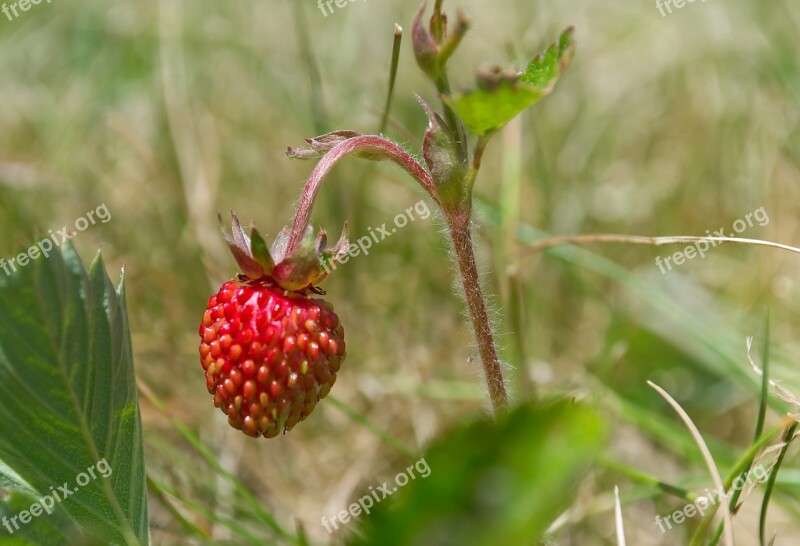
426,50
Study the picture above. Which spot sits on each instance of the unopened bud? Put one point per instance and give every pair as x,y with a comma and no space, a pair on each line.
426,50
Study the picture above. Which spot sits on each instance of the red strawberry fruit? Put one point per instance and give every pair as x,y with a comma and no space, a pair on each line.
269,348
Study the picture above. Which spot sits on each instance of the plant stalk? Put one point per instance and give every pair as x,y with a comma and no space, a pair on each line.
458,220
373,146
460,232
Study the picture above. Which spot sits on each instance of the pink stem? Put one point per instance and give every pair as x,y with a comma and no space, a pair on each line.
460,232
378,146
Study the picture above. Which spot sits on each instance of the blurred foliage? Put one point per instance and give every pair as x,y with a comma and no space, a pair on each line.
492,482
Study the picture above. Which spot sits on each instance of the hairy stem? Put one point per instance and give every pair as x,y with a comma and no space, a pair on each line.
458,220
371,146
459,225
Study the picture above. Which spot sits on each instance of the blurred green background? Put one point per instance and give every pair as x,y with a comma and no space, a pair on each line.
169,112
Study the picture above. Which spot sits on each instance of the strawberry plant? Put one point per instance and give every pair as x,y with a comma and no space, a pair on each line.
451,162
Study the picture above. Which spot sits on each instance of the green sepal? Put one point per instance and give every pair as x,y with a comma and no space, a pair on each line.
445,158
260,250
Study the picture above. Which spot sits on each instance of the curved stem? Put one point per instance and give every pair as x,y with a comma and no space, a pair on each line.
458,220
459,225
374,147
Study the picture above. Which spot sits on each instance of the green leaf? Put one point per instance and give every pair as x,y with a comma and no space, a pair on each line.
491,482
68,410
501,97
546,68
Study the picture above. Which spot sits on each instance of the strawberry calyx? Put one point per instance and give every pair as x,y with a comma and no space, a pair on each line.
299,271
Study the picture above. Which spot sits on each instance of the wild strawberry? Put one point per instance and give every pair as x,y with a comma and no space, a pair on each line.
269,349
